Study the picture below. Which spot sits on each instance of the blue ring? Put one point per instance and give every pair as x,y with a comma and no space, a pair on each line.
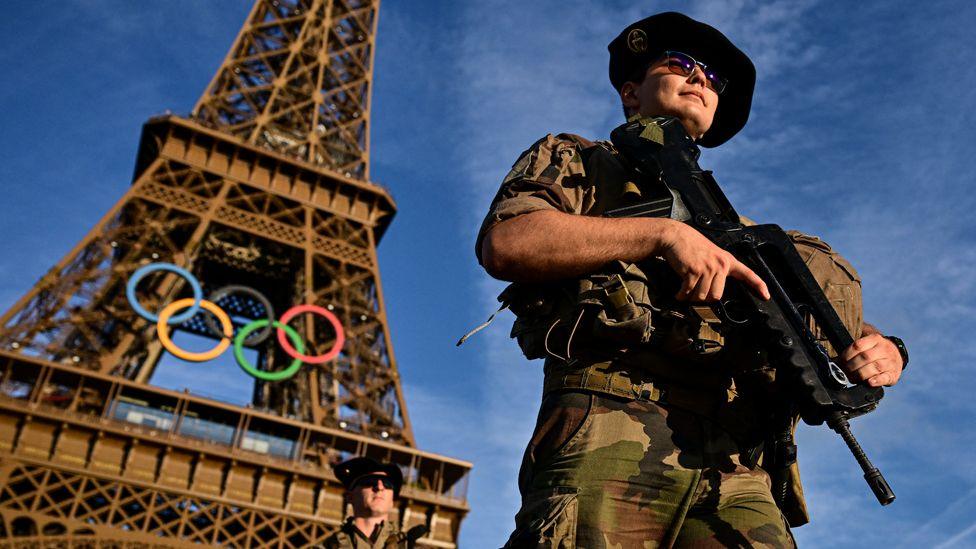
141,272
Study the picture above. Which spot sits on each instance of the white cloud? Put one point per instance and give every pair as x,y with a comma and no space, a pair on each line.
951,518
956,541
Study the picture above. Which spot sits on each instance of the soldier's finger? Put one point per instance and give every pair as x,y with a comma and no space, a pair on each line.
861,361
690,281
856,363
864,371
741,272
718,287
860,346
702,289
884,378
865,357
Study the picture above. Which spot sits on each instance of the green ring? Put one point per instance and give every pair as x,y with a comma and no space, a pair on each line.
249,368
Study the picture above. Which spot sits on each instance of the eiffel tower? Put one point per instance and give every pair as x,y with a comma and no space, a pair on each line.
257,202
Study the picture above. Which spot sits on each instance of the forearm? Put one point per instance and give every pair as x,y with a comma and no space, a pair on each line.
547,245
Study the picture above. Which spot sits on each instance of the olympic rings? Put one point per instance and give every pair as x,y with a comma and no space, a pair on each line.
291,370
227,290
293,348
141,272
333,352
186,355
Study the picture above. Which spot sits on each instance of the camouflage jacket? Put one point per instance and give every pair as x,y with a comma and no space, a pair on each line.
573,175
350,537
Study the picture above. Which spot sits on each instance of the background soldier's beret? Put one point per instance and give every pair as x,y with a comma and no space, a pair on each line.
349,471
646,41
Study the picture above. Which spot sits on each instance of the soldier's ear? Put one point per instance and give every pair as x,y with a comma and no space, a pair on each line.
628,95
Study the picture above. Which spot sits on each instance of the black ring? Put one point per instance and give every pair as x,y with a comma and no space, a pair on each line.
223,292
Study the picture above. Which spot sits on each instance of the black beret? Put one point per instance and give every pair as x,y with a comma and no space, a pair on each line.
349,471
646,40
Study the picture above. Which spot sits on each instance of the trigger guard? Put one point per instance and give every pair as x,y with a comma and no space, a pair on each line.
723,313
837,374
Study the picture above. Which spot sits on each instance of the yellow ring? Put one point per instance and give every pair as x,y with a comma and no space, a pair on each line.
225,323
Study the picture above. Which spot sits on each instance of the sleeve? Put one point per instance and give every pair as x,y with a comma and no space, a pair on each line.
840,282
548,176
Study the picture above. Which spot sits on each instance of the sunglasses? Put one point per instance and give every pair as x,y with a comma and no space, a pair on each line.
684,64
373,481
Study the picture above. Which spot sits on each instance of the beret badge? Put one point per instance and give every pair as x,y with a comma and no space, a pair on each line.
637,41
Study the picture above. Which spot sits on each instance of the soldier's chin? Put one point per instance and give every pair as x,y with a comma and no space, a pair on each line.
695,124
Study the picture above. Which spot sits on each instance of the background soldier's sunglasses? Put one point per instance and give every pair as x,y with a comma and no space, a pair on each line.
371,481
684,64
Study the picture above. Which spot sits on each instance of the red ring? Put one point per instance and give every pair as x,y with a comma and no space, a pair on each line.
286,345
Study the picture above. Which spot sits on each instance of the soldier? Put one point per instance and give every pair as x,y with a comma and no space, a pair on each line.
371,488
652,441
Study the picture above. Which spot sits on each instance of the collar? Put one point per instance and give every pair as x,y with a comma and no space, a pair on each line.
382,530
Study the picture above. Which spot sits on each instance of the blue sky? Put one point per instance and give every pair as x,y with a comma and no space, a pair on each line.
862,132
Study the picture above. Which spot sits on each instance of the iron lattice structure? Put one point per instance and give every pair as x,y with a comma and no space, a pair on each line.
297,82
264,185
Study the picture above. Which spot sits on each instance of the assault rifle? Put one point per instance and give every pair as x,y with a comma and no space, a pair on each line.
659,149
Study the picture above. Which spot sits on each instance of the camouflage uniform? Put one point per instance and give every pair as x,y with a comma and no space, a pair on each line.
650,448
350,537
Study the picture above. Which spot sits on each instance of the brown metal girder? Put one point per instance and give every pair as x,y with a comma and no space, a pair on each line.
368,100
174,284
321,140
331,227
123,383
224,64
360,84
408,494
318,87
261,201
360,392
305,66
351,167
256,37
347,279
235,83
355,13
351,49
363,388
271,61
381,307
285,69
221,218
230,99
279,466
356,83
342,129
245,90
314,390
186,178
292,109
161,128
355,53
150,490
261,25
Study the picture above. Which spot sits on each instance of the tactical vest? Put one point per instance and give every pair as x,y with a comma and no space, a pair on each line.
619,331
390,537
623,307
